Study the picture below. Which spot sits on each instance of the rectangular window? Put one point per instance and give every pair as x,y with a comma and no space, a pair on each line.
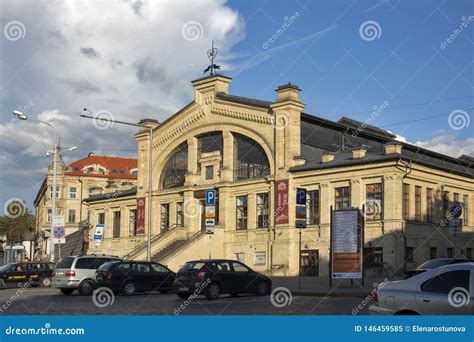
374,201
71,217
429,205
210,172
406,202
241,212
72,193
373,256
469,253
48,215
342,198
465,210
446,204
116,226
433,253
260,258
409,254
450,252
165,217
418,203
132,225
101,218
51,192
179,214
312,207
262,210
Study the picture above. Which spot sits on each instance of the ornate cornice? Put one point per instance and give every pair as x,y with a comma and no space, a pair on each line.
241,114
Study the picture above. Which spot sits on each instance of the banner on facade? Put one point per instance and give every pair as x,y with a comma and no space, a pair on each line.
346,242
140,216
281,202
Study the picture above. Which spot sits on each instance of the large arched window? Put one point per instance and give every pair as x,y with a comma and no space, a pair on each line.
250,160
176,167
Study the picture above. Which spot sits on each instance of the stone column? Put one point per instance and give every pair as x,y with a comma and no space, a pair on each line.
228,157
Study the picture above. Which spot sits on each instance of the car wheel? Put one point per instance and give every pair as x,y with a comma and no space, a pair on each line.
262,289
85,288
67,291
45,282
183,295
129,288
213,291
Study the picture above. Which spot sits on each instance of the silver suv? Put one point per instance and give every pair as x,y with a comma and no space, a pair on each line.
78,273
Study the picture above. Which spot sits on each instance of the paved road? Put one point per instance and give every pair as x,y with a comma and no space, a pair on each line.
48,301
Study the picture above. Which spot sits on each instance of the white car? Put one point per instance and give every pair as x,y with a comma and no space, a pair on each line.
447,290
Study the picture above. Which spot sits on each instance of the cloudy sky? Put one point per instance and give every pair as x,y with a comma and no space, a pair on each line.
132,59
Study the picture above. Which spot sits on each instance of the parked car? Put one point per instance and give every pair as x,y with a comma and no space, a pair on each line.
37,273
434,263
447,290
78,273
129,277
215,277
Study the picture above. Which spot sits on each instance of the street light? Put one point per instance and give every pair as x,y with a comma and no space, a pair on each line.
150,148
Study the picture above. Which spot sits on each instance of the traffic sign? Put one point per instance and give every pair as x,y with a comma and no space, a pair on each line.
300,196
456,209
455,226
99,232
59,232
210,197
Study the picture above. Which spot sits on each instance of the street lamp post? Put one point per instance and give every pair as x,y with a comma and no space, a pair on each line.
56,152
150,171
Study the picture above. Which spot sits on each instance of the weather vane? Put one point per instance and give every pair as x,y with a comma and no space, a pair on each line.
211,54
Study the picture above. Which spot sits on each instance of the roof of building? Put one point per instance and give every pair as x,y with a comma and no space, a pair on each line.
112,195
113,167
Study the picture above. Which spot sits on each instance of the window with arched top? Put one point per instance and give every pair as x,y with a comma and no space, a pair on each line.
250,160
174,172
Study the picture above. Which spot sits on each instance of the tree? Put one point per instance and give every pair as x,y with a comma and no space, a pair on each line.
17,221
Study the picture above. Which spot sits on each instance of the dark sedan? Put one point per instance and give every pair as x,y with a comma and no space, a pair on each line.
129,277
215,277
434,263
35,273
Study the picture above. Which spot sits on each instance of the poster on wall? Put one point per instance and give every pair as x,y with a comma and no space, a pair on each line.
140,216
346,242
281,202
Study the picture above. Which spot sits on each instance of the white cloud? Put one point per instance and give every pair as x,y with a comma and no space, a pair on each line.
449,145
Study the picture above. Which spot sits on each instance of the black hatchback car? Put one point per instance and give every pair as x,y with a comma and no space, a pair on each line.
129,277
36,273
215,277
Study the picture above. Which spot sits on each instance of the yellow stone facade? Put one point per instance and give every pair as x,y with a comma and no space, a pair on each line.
278,128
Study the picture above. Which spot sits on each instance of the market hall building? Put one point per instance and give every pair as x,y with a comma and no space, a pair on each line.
255,154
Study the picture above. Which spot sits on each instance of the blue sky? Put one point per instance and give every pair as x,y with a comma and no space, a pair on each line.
134,59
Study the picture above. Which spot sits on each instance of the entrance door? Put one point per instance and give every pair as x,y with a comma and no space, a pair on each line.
310,263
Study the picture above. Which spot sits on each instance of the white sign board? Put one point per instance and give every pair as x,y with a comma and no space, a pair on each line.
99,232
60,240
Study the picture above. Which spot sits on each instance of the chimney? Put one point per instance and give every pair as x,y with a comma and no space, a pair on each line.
358,153
393,147
327,157
209,86
288,92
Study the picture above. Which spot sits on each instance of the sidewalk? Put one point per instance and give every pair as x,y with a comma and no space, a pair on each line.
319,286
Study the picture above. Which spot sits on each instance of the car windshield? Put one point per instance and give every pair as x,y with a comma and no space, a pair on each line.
430,264
191,266
107,266
65,262
6,267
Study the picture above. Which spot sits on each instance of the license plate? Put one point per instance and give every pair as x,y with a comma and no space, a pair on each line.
183,288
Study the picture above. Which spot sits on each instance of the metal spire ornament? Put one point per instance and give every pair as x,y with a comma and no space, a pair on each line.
211,54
